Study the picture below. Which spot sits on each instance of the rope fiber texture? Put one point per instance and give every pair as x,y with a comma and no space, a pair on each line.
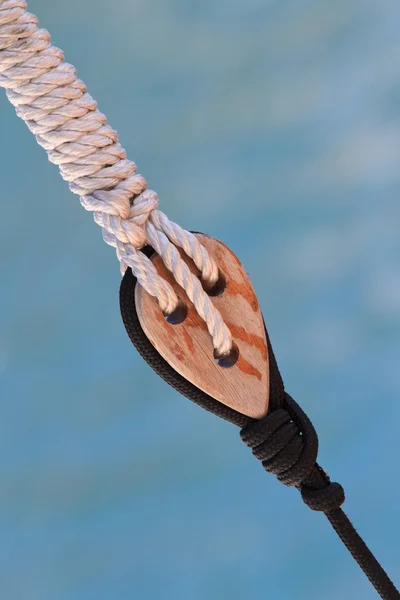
285,441
56,107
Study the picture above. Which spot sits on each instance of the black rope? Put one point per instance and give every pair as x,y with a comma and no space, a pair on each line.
287,445
285,441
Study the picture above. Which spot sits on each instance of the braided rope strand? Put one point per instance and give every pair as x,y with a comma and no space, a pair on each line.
64,118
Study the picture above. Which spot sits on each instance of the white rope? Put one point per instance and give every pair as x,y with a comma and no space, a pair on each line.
64,118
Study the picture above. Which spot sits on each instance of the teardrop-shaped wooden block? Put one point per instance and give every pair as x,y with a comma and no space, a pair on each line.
188,348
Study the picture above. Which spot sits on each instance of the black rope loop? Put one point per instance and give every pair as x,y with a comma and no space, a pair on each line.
286,443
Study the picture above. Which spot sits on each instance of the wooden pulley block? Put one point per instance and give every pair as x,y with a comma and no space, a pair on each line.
188,348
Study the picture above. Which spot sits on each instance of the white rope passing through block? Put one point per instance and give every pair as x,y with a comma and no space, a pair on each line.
56,107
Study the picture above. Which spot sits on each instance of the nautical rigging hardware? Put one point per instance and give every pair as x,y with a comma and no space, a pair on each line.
186,301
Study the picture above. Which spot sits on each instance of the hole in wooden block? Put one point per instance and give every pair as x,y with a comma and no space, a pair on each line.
219,286
228,360
178,315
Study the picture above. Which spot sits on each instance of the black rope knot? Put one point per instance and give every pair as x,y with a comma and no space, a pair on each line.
286,443
326,499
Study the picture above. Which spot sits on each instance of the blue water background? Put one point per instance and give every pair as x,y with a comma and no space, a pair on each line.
274,126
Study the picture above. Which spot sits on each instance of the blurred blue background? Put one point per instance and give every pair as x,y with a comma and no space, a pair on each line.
274,126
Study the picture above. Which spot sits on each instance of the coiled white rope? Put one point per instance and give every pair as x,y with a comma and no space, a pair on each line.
56,107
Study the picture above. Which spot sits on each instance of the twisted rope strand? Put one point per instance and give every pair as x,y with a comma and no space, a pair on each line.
56,107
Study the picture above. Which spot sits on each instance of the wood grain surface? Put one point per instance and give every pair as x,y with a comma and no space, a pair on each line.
188,348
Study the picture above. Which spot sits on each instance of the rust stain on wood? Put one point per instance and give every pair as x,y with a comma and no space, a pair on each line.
256,341
188,340
237,287
178,352
248,368
241,289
